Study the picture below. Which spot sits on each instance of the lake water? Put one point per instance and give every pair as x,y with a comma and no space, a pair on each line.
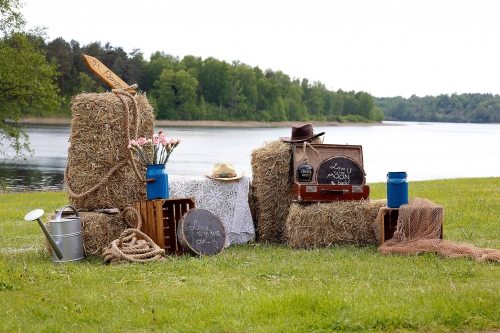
425,151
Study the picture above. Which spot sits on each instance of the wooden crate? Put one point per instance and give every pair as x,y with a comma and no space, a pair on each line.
389,222
160,218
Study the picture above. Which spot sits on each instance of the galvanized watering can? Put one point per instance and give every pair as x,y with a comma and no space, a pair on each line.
65,235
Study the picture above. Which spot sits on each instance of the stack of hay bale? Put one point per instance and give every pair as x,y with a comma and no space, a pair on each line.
100,170
303,225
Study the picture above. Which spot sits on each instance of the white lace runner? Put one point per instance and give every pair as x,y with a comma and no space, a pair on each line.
226,199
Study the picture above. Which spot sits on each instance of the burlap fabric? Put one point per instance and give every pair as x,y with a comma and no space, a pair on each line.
418,231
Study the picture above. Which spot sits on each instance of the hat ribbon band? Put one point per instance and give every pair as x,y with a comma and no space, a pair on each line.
224,175
301,137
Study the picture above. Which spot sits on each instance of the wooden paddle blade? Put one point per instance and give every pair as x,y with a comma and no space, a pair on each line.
106,75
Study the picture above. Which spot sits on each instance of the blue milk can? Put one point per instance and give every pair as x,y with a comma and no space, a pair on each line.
397,189
157,182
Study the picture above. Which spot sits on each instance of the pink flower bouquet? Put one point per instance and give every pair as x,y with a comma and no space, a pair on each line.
161,148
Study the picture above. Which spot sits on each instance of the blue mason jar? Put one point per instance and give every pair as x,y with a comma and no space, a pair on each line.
158,187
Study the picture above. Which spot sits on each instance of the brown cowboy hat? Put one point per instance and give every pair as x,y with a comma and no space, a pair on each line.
225,171
302,133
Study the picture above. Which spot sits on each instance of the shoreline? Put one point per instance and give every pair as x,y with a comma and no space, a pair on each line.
213,123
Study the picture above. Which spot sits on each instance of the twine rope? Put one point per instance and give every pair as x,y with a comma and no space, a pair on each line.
121,94
305,159
133,245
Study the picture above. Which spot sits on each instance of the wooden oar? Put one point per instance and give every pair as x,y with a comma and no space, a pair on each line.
105,74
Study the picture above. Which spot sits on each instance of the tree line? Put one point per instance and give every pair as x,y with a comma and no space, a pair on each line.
193,88
463,108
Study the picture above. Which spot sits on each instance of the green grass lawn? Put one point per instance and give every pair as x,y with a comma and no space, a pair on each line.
259,287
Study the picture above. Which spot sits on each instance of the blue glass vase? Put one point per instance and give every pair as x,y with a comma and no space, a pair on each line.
158,188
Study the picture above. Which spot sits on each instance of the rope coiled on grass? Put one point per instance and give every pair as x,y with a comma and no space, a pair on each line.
133,245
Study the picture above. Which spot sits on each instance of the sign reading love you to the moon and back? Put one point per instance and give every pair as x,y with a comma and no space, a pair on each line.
340,171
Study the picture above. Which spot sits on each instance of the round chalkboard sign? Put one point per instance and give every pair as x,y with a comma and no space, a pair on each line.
340,171
200,232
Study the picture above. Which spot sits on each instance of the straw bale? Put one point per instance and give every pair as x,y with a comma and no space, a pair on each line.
98,231
272,188
340,222
99,137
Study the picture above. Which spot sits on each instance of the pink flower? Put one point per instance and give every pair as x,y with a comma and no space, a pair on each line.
149,141
155,140
173,141
169,147
163,140
160,131
133,143
141,141
129,146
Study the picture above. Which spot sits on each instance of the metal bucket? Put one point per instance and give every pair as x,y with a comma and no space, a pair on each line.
397,189
67,235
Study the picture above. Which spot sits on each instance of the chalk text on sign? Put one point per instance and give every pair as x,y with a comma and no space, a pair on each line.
339,175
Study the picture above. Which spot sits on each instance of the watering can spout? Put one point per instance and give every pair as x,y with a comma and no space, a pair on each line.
35,215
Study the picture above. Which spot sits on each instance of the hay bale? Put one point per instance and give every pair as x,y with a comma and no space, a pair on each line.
98,231
252,203
99,137
341,222
272,188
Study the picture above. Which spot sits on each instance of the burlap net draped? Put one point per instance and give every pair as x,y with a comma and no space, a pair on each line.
418,229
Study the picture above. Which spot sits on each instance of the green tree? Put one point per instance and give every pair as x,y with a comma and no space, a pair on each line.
185,95
60,53
243,97
164,95
26,78
296,110
85,84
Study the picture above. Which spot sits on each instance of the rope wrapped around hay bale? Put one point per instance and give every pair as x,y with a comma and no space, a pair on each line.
340,222
272,189
99,171
98,230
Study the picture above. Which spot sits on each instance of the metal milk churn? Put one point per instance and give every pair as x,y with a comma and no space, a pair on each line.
397,189
65,235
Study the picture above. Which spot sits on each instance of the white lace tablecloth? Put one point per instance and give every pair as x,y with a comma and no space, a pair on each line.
226,199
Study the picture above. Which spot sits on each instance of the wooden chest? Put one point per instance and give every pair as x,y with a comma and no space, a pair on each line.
160,220
326,173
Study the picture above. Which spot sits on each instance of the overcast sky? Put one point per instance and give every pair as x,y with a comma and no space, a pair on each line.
387,48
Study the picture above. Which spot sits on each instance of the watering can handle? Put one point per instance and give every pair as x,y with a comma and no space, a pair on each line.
59,213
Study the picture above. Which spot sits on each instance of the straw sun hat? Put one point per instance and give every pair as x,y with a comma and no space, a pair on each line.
225,171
